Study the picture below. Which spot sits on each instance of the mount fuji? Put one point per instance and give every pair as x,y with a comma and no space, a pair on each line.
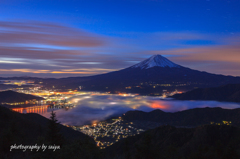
155,61
154,74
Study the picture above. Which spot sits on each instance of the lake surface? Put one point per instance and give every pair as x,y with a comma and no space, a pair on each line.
92,107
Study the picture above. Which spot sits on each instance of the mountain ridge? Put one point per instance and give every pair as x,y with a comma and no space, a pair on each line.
191,117
15,97
167,142
229,93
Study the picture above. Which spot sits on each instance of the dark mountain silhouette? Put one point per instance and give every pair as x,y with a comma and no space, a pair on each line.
191,117
208,141
32,124
12,97
229,93
31,129
151,75
167,142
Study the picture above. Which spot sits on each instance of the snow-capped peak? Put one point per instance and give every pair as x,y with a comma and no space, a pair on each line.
155,60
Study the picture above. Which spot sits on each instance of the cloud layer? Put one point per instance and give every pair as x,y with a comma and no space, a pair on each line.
44,49
99,107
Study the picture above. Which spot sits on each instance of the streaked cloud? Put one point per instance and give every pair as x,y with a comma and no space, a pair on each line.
13,61
42,73
42,33
89,63
54,50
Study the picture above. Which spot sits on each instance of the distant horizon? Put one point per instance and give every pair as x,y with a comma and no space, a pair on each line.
26,76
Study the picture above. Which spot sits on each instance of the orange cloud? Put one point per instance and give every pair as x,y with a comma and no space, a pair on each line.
215,53
36,71
220,59
61,72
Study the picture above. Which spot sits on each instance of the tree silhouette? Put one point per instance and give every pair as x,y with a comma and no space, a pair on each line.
53,135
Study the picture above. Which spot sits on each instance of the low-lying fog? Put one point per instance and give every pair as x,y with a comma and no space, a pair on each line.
97,107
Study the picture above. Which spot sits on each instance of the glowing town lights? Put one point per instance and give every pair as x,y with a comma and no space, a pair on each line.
156,105
115,130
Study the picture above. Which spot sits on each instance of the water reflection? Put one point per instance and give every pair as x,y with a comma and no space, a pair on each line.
35,109
41,109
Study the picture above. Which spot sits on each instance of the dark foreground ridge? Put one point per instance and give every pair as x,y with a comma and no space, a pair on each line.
187,118
31,129
230,93
167,142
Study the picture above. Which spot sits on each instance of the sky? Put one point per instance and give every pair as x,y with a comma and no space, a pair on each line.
66,38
